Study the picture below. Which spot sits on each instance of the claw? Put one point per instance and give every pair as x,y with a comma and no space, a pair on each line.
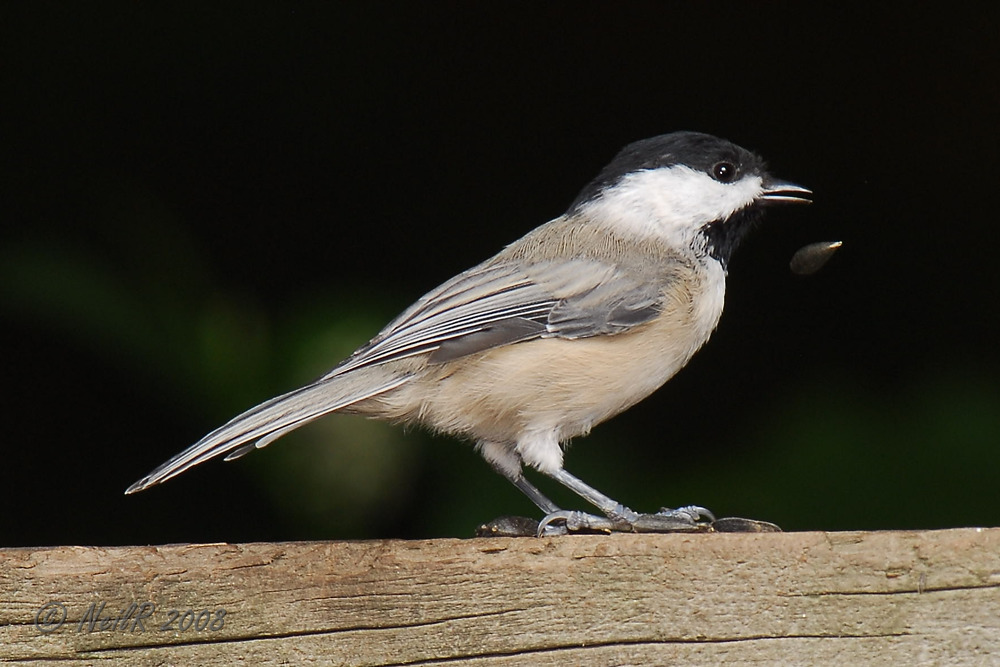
672,521
689,519
574,521
552,530
681,520
693,513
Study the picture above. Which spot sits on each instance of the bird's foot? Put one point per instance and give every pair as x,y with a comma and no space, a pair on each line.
563,522
681,520
689,514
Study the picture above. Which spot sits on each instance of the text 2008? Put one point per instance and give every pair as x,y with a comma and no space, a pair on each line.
205,619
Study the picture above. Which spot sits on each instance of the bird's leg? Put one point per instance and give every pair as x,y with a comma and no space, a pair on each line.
507,462
618,517
536,496
523,528
612,509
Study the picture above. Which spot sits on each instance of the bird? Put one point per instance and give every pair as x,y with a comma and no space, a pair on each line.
575,322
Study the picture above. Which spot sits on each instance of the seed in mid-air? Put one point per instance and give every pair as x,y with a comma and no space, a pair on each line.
811,258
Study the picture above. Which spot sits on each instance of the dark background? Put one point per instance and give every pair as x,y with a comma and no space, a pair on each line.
206,206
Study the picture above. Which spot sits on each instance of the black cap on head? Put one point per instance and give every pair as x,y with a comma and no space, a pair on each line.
693,149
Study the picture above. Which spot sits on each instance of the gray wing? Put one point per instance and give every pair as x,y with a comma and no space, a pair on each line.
612,307
488,306
503,303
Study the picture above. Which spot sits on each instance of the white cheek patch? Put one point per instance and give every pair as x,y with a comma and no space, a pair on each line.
673,203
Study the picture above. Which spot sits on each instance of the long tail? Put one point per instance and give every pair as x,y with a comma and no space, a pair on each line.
259,426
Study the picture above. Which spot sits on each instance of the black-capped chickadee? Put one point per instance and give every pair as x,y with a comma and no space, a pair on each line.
578,320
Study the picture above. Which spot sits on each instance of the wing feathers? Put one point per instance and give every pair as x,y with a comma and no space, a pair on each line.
508,302
268,421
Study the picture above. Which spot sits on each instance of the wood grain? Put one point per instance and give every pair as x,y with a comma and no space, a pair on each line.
900,598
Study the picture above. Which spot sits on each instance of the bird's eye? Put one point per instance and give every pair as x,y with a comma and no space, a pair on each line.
724,172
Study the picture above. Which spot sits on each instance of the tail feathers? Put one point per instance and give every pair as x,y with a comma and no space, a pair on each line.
270,420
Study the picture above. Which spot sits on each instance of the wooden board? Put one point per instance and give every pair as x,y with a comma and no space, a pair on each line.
885,598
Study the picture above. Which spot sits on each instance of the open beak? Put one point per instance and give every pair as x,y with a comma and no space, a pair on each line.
780,192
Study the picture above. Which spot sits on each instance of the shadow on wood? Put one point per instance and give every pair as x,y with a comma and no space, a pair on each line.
903,598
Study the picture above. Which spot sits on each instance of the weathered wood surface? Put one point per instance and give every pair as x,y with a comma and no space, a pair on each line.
886,598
